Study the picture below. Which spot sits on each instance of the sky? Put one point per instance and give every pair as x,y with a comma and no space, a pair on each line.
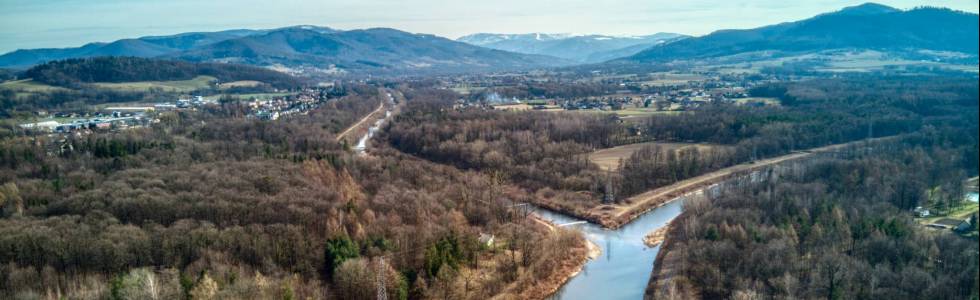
27,24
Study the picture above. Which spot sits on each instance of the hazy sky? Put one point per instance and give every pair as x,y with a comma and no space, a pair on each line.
69,23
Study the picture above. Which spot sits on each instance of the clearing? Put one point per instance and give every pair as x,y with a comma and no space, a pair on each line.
28,85
671,78
377,113
199,82
608,159
762,100
250,96
961,212
240,83
615,215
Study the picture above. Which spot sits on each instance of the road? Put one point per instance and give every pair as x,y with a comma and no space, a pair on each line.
343,134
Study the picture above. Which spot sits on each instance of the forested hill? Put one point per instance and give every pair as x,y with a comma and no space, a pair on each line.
72,72
868,26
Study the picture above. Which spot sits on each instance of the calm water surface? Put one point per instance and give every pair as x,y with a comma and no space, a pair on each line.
623,269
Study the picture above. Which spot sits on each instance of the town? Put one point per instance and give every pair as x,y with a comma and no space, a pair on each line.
118,117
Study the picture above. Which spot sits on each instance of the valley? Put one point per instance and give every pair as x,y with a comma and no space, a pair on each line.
825,157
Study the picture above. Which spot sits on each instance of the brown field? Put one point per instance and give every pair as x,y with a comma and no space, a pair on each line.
608,159
513,107
199,82
764,100
615,215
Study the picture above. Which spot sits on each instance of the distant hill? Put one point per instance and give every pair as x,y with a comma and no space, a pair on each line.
868,26
150,46
305,47
378,49
79,71
579,48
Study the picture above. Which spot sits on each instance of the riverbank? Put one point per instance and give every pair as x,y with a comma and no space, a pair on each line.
569,263
656,237
665,283
569,268
613,216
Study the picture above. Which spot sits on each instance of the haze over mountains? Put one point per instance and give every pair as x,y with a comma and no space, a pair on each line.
321,48
922,34
580,48
377,48
868,26
150,46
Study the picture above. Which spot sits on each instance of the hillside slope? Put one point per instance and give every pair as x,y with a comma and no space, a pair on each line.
377,49
80,71
580,48
868,26
150,46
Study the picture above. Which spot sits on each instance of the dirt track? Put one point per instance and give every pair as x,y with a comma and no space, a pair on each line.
343,134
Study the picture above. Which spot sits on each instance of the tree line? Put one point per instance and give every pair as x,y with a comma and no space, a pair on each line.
209,204
75,72
546,151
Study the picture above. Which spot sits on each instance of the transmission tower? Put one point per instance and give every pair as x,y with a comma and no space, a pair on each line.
382,291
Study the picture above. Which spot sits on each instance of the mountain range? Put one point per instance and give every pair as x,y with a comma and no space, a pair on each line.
303,47
580,48
363,49
920,34
150,46
865,27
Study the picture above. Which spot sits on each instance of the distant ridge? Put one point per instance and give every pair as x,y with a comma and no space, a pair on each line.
376,49
149,46
867,26
303,47
579,48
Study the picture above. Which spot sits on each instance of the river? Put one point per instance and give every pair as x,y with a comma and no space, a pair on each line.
623,269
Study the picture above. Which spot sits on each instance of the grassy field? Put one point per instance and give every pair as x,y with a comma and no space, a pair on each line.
199,82
670,78
628,114
240,83
961,212
642,111
27,87
764,100
468,90
608,159
259,96
513,107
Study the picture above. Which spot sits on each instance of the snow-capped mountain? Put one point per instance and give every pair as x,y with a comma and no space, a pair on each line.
582,48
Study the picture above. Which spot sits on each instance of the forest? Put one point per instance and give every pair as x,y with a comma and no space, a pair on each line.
209,204
78,76
76,72
833,229
544,152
